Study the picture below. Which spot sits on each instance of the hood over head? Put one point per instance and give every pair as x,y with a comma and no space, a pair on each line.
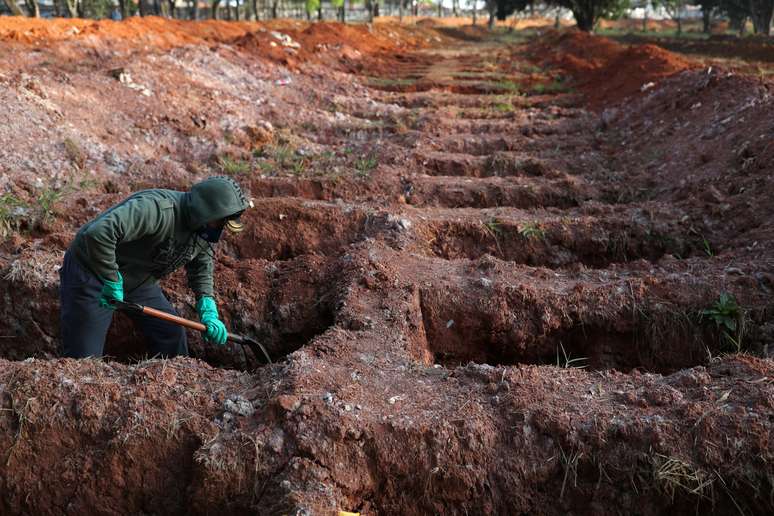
213,199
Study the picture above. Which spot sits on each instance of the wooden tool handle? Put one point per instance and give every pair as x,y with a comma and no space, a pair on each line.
174,319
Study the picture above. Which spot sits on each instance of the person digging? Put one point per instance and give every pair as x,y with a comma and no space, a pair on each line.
121,255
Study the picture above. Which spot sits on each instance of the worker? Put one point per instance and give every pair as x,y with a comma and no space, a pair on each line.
122,254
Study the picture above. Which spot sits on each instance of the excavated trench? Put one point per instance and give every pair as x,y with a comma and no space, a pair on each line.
506,328
550,243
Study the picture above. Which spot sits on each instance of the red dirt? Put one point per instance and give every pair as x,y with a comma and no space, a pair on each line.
436,249
605,71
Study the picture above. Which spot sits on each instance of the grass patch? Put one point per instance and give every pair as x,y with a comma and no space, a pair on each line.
509,86
385,82
12,212
556,86
532,230
729,319
74,153
47,200
233,167
365,165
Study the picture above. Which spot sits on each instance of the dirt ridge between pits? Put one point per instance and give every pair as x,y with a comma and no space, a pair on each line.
421,262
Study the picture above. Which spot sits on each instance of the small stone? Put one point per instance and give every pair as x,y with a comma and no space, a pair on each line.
239,405
348,408
450,323
288,403
328,398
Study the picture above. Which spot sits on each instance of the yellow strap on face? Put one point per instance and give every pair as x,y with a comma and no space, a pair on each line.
235,226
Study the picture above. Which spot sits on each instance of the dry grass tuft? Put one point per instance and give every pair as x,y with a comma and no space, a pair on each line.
35,268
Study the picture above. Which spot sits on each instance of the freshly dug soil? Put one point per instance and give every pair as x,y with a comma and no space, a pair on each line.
480,296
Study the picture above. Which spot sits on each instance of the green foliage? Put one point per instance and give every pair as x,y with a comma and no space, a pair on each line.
12,211
729,319
532,230
707,247
365,165
494,226
725,312
233,167
312,5
337,3
504,107
46,201
508,86
555,86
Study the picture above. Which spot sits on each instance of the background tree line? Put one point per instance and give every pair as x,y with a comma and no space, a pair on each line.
586,12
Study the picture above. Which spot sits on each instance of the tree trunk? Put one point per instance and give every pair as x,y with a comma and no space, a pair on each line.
706,19
33,7
215,6
400,11
492,8
121,7
319,11
171,8
474,11
228,10
440,8
274,6
645,19
141,7
254,4
584,18
14,7
761,14
195,10
455,8
157,7
236,11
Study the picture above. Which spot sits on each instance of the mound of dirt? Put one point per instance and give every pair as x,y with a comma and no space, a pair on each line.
605,71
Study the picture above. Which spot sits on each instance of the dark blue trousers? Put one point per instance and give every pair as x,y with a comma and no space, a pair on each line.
84,324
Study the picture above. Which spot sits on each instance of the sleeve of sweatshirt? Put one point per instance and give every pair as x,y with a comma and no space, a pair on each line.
131,220
199,271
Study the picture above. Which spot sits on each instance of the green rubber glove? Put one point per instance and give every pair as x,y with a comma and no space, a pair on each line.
208,315
111,291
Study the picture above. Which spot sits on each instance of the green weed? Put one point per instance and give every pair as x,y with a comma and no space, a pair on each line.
555,86
46,201
365,165
532,230
12,212
504,107
729,319
508,86
707,248
233,167
493,226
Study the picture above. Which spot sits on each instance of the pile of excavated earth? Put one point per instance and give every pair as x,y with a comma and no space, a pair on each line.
496,274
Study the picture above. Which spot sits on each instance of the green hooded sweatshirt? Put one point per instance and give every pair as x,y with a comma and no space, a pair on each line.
152,233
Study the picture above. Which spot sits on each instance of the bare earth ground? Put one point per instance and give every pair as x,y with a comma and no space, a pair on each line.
448,224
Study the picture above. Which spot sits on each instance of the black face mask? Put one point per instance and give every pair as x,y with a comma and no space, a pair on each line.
209,234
